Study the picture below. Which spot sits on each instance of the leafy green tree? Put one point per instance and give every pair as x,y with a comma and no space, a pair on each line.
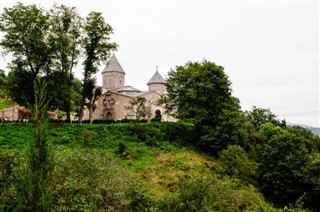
137,108
26,30
310,174
201,93
284,156
259,116
20,86
97,49
65,39
25,35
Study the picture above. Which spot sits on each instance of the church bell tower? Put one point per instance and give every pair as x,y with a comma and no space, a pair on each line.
113,75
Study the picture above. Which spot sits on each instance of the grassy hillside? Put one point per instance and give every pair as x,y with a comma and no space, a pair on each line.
5,103
123,167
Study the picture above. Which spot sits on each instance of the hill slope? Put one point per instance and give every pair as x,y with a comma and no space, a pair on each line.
124,167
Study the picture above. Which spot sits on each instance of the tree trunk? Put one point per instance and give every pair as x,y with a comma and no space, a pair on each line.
68,110
81,110
68,103
90,114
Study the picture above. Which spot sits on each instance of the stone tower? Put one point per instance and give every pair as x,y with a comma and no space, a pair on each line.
113,75
157,83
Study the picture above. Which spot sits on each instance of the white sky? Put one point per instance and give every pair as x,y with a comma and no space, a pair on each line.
269,49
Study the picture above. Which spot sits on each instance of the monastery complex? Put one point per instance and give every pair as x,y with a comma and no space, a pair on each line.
116,95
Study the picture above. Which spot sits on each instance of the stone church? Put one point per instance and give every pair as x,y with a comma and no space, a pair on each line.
116,95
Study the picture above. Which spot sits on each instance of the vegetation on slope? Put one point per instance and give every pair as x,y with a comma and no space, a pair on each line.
6,103
121,169
127,167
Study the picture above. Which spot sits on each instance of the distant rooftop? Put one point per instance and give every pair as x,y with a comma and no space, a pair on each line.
128,88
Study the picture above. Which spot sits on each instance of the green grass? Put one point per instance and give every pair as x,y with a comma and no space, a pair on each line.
5,103
146,150
157,155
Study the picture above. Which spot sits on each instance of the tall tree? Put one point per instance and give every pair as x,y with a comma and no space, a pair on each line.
286,159
26,30
19,84
97,49
201,93
92,94
65,39
76,95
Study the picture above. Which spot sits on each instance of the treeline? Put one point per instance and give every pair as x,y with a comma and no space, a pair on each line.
49,44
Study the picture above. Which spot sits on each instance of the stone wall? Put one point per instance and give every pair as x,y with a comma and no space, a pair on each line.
160,88
112,80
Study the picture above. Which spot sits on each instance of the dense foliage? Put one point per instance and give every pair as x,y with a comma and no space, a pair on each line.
49,44
259,116
201,94
285,157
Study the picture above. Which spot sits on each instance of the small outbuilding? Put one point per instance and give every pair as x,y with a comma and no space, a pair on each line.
15,113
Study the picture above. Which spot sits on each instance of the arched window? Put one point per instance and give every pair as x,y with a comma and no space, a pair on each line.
109,115
157,114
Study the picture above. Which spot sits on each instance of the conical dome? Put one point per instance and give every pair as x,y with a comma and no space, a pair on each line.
113,74
113,66
157,83
156,79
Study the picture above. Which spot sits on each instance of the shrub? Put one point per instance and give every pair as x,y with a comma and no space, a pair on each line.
209,193
179,132
155,120
91,180
104,121
234,162
7,200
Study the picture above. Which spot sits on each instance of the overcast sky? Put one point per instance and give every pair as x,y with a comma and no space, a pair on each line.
269,49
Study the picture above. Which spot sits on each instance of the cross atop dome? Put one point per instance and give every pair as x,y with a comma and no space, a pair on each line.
156,78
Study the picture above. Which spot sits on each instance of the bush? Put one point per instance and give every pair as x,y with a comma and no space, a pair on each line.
7,200
127,120
155,120
182,133
104,121
234,162
209,193
91,180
